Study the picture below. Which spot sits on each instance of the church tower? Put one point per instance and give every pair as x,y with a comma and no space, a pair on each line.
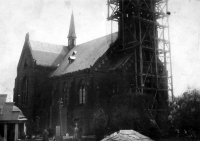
72,35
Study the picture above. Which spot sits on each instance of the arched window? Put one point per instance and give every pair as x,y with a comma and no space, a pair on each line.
55,94
65,94
25,91
82,93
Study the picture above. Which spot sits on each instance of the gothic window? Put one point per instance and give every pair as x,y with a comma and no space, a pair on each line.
65,94
25,91
82,93
53,93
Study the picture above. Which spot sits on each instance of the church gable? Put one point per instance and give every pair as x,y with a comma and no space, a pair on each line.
41,54
26,58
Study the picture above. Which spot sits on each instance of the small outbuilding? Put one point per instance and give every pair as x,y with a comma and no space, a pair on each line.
12,120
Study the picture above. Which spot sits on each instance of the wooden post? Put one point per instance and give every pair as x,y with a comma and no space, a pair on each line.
16,131
5,132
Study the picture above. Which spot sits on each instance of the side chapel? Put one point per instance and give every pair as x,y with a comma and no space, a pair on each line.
83,77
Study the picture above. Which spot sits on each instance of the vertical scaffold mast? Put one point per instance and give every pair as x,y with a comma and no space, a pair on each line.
143,30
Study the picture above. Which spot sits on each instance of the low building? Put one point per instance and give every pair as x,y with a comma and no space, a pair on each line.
12,120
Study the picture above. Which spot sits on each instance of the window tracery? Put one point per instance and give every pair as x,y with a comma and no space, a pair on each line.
65,94
82,93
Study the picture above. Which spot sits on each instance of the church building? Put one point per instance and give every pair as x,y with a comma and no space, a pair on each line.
65,85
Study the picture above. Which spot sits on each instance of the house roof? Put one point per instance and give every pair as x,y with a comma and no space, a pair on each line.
86,55
10,113
47,54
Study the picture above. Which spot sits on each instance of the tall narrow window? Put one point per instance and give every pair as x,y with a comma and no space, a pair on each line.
65,95
25,91
64,91
53,96
82,94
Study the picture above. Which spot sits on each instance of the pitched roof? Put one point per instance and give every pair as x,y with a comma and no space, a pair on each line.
9,112
72,28
47,54
87,54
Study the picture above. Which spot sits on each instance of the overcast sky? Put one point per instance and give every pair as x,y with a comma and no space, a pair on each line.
48,21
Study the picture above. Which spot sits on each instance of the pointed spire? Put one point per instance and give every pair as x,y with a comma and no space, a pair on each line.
72,33
27,36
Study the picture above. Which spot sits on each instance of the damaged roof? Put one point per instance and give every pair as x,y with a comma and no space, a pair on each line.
87,54
120,62
45,54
